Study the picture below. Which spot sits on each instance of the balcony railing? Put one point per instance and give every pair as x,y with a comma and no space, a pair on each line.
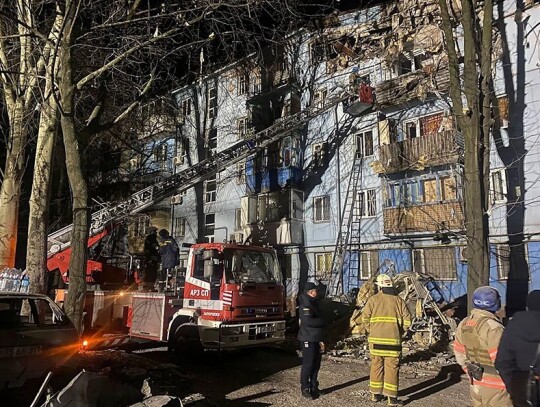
420,152
412,86
429,217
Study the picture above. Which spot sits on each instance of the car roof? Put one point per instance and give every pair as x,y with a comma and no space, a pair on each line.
13,294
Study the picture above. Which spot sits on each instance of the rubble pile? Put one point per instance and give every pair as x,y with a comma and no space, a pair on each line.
431,331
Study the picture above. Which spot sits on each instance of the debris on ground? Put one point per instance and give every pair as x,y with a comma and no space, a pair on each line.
430,324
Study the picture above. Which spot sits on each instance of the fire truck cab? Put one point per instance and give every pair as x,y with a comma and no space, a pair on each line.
231,296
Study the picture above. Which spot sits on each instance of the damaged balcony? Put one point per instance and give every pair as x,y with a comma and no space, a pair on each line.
405,87
420,152
430,217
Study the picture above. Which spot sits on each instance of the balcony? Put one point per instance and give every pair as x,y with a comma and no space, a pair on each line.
420,152
430,217
412,86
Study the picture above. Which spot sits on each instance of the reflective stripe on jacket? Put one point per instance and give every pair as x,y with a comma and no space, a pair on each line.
477,341
386,319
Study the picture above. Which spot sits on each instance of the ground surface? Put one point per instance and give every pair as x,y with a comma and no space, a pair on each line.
262,377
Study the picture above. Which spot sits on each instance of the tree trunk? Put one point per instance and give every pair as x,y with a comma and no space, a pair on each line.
36,252
74,303
10,189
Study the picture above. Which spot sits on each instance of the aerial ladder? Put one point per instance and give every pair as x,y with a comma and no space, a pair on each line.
59,242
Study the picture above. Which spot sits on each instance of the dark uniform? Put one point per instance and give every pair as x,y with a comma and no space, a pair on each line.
170,253
518,351
310,335
151,257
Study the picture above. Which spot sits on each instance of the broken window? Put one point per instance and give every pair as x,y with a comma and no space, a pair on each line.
212,102
321,208
369,262
366,204
429,125
319,99
210,187
238,219
448,188
160,153
430,190
289,152
439,263
211,141
498,185
364,144
323,266
179,227
141,225
257,83
240,173
502,254
412,130
209,227
241,127
318,154
185,110
318,50
242,83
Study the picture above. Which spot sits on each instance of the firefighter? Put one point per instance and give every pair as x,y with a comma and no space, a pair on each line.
151,256
169,252
476,344
518,358
310,336
386,320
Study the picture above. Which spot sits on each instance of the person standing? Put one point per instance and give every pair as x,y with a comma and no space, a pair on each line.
310,336
386,320
476,344
518,358
170,255
151,256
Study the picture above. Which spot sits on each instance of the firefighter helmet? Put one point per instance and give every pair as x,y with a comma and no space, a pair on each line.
384,281
487,298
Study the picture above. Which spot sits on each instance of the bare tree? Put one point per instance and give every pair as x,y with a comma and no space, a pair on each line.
474,119
23,57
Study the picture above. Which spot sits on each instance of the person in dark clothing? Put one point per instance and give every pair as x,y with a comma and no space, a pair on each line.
519,350
311,336
151,256
169,252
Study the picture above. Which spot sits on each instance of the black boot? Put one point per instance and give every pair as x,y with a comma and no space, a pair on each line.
376,397
393,401
306,392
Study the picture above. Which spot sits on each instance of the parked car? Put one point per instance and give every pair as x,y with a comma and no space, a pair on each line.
35,337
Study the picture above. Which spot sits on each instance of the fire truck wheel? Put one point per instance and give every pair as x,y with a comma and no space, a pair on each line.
187,343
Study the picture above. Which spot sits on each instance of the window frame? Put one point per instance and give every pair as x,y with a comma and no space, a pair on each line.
360,140
209,237
324,202
324,275
420,255
366,206
210,195
212,101
180,227
498,196
242,83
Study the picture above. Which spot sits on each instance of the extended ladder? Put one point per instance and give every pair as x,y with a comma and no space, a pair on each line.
185,179
349,231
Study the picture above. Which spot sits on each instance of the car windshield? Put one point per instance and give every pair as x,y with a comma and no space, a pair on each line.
244,265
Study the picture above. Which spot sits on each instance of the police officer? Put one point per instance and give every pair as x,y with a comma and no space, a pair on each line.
476,344
169,252
386,319
311,336
518,358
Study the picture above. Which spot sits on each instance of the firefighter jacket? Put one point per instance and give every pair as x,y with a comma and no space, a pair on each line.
386,319
169,251
477,341
311,322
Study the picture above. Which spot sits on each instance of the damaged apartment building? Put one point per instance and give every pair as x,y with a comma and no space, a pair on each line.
375,181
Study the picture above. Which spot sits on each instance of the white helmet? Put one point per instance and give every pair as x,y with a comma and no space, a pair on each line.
384,281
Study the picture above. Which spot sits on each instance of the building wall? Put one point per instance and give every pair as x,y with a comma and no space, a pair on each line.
338,131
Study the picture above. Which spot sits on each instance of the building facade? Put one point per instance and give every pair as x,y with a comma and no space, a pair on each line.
363,186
